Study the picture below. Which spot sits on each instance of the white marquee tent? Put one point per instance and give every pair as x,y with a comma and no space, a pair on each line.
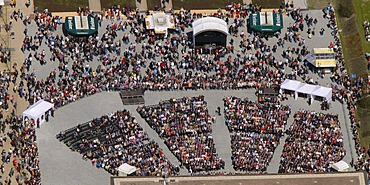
323,92
306,88
340,166
291,85
37,111
126,169
311,90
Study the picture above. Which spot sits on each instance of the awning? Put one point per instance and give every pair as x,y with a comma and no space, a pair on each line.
266,21
81,25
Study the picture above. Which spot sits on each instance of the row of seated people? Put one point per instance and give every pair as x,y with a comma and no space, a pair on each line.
115,139
314,142
186,128
255,131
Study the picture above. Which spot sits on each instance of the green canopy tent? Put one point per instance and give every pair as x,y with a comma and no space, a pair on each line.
267,22
81,25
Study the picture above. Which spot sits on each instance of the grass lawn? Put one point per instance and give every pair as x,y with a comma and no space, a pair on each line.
351,38
354,46
362,8
202,4
268,3
153,3
317,4
363,115
123,3
61,5
72,5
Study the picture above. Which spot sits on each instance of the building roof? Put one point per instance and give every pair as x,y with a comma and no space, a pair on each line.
345,178
81,25
209,24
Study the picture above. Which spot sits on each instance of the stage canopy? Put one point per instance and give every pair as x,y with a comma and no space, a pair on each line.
160,22
266,21
37,111
209,24
81,25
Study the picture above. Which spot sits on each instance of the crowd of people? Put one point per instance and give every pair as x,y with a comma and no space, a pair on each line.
131,57
22,154
115,139
185,125
255,131
315,141
130,61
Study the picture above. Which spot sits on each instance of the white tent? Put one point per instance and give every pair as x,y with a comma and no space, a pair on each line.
2,3
306,89
126,169
291,85
340,166
323,92
37,111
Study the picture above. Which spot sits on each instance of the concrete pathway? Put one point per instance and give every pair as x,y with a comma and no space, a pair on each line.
168,4
95,6
247,1
302,4
142,5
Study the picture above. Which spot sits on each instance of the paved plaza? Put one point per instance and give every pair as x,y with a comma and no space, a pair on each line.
59,165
